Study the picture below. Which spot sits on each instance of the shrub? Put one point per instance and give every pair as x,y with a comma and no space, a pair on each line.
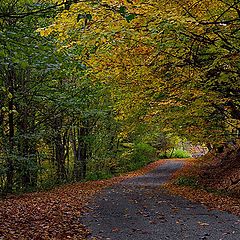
101,168
98,175
132,157
143,151
142,154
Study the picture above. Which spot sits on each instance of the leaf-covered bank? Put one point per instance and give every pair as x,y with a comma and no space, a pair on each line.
54,214
211,180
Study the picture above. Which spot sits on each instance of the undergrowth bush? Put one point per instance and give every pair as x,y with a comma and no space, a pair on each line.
131,157
102,168
141,155
92,176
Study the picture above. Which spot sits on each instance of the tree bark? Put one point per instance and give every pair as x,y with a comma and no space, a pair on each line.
10,168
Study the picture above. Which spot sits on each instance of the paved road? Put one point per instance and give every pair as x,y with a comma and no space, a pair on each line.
139,209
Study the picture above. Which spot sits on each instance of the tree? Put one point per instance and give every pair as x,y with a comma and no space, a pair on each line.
182,59
109,71
52,113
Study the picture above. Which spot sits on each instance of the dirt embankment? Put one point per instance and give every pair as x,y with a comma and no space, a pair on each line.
221,171
213,179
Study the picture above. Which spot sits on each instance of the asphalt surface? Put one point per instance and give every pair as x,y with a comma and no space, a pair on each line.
140,209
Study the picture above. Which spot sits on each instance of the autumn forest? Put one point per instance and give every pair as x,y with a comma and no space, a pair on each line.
96,94
92,89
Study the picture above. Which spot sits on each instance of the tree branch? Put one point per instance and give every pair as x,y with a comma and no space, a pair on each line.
25,14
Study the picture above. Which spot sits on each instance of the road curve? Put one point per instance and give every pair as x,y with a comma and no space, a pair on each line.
140,209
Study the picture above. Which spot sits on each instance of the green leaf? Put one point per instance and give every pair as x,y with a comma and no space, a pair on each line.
130,17
122,10
10,96
89,17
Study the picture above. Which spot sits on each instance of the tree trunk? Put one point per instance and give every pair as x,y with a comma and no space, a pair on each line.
59,150
10,168
80,148
83,151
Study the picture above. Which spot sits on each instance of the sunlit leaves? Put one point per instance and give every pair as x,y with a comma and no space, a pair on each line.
142,48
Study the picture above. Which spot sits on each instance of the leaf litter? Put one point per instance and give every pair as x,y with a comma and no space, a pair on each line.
213,199
55,214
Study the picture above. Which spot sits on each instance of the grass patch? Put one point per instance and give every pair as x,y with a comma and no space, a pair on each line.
190,181
176,153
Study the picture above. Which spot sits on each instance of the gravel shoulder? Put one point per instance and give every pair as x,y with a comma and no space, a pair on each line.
140,208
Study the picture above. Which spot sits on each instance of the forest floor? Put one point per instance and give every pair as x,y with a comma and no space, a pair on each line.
132,206
54,214
208,181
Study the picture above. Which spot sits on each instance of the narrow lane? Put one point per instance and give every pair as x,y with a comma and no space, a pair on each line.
139,208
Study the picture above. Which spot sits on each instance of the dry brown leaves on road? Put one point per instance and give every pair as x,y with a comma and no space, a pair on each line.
54,214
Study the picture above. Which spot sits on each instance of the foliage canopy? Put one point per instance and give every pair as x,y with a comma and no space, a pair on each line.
81,79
